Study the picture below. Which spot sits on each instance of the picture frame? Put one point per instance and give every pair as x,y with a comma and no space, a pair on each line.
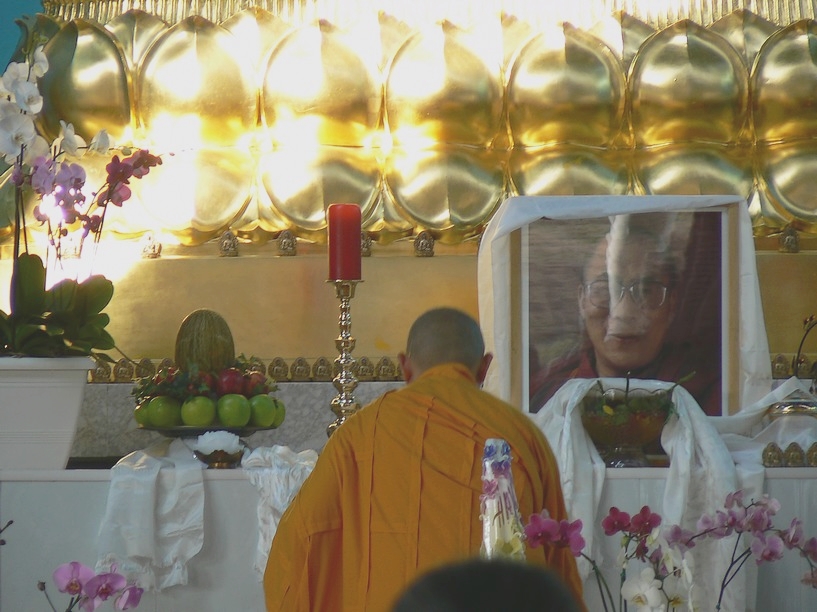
522,322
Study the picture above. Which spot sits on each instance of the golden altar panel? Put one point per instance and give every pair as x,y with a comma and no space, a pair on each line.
287,82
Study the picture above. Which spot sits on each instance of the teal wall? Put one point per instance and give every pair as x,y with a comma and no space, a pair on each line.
9,31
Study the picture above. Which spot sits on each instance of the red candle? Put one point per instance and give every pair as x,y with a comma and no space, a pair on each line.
344,241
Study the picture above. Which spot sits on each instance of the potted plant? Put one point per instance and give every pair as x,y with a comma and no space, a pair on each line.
50,332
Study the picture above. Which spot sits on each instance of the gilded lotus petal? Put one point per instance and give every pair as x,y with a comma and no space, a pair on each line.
136,31
258,31
746,32
695,170
45,26
382,40
87,83
515,33
299,184
787,174
623,34
566,87
195,88
452,191
783,84
439,89
194,195
318,90
569,171
688,84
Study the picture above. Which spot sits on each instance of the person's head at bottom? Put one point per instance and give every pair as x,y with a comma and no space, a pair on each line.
478,585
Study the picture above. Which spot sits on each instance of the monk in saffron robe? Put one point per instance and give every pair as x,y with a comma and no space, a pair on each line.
396,490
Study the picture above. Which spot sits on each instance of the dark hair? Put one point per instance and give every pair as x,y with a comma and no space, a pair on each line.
480,585
445,335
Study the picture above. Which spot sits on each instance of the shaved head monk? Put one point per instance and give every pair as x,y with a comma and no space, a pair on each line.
396,490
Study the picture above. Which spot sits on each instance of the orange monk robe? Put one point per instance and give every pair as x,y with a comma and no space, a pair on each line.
396,492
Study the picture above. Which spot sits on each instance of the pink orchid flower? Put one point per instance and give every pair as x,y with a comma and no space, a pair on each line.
129,598
71,577
615,521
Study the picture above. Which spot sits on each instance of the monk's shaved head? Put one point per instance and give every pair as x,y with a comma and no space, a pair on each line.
445,335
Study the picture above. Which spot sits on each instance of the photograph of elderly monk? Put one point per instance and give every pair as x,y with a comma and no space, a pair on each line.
635,295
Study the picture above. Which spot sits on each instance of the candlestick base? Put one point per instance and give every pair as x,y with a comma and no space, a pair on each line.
344,404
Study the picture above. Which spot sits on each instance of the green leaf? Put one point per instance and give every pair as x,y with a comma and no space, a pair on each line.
96,293
62,297
28,295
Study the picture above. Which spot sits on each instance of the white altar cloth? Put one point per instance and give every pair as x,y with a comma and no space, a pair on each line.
153,525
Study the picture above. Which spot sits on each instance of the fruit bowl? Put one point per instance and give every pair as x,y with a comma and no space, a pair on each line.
188,431
219,459
622,422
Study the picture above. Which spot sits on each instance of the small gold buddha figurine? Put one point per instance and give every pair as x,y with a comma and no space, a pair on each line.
424,244
123,371
365,369
780,367
773,455
299,370
101,372
278,369
794,456
386,370
287,245
151,248
365,244
145,368
322,370
228,245
788,241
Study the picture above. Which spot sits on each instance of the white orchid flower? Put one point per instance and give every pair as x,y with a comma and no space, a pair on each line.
37,147
15,73
644,591
676,593
8,107
40,65
16,131
101,143
69,141
28,97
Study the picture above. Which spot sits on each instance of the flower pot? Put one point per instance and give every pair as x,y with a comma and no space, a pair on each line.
40,400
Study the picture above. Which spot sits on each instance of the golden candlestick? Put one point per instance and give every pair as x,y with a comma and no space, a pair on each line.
344,404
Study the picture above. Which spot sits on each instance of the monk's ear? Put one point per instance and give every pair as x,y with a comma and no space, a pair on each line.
482,368
405,367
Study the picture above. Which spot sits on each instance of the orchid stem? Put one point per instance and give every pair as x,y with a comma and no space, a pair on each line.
601,582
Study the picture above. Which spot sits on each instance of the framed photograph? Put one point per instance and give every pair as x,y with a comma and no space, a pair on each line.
650,287
635,295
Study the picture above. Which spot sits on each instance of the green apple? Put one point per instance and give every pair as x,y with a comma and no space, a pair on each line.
140,413
263,410
234,410
165,411
198,411
280,413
